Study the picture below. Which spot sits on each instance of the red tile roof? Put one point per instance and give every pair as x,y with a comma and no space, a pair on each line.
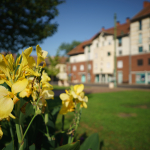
143,13
122,30
80,48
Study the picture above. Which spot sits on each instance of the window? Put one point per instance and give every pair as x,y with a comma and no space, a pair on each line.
140,49
103,43
120,52
109,43
96,55
120,64
74,60
89,66
140,25
148,61
140,62
120,41
74,68
95,66
69,68
140,38
88,49
108,53
97,44
81,67
108,65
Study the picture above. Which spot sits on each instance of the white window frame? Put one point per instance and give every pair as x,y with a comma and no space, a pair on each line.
120,64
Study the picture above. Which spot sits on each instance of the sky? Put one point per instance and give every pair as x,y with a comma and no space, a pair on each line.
82,19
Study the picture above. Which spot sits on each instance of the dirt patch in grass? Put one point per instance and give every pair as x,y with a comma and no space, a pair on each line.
83,125
127,115
144,106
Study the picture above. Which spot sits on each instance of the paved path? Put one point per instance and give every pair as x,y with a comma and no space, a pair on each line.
96,89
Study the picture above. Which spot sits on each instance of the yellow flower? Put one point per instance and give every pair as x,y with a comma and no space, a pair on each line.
78,94
64,110
6,102
41,55
1,133
67,103
82,99
77,89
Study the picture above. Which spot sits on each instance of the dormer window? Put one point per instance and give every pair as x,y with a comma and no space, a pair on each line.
88,49
120,41
140,25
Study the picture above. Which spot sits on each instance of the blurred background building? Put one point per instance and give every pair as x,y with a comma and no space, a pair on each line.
93,60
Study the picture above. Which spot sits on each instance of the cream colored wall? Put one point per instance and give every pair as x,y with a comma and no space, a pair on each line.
134,34
77,58
124,48
102,63
88,55
62,67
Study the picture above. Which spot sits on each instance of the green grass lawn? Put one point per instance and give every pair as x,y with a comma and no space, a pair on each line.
122,120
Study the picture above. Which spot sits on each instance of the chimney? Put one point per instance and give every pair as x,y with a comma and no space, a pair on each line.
145,4
127,20
103,28
118,23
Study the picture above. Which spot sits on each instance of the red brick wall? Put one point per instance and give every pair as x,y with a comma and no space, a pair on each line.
125,69
145,66
76,75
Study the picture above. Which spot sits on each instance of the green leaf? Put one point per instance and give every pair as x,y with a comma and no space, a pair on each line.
91,142
32,147
72,146
9,146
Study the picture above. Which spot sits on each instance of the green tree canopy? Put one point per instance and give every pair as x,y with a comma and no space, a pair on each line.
67,47
26,23
51,70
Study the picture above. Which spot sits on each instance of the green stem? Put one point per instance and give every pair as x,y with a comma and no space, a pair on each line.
28,127
47,130
12,135
18,133
63,120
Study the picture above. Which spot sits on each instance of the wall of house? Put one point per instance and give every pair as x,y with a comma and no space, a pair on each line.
123,68
102,62
134,34
82,68
77,58
124,48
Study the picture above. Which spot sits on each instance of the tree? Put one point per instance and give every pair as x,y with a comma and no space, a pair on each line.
51,70
26,23
67,47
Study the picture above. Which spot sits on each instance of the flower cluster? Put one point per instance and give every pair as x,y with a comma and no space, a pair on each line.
72,97
23,76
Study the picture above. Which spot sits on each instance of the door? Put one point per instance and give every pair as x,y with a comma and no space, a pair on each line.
83,78
97,78
120,77
140,78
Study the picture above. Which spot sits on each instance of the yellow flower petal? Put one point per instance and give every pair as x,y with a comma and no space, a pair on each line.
19,86
28,51
47,94
79,88
1,133
1,81
12,116
64,96
6,107
45,77
3,91
15,99
25,93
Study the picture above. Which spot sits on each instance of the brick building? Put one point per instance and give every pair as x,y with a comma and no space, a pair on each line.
93,60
